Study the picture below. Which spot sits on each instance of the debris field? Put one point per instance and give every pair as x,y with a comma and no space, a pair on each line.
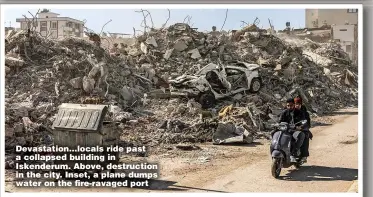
42,73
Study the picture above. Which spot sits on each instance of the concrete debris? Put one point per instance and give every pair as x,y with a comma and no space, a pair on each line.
195,54
127,93
326,71
151,41
77,82
13,62
168,54
7,70
238,97
144,48
179,60
278,67
230,133
211,82
88,84
180,46
134,52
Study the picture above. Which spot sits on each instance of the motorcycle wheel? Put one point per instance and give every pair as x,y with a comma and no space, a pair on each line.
276,168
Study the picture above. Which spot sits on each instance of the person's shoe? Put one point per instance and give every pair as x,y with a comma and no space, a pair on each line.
293,159
304,159
296,153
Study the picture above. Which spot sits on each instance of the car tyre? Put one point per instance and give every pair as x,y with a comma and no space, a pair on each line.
207,100
255,85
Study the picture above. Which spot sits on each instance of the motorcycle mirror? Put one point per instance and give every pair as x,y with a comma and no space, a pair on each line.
304,121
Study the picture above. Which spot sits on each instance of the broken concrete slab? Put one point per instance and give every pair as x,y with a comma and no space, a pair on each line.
7,70
180,46
238,97
326,71
21,109
122,116
230,133
88,84
9,132
168,54
18,128
126,93
194,54
144,48
278,67
151,41
76,83
134,52
13,62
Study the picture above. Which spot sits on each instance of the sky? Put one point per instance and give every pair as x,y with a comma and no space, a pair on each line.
123,20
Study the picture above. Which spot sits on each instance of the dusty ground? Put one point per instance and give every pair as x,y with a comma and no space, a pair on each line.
332,166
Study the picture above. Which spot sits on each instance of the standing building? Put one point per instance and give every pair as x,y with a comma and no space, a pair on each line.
316,18
347,35
343,23
49,24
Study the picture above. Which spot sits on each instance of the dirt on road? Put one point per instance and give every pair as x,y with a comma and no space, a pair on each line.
332,165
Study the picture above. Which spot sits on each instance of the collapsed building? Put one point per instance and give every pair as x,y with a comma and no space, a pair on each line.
42,73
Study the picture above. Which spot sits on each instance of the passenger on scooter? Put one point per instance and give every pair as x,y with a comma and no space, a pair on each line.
291,115
308,134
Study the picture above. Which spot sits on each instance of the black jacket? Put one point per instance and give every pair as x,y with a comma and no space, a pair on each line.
306,115
292,115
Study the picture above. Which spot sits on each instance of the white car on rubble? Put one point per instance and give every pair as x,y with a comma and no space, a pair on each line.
214,82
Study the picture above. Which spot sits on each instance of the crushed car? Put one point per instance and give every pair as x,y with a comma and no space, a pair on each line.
217,81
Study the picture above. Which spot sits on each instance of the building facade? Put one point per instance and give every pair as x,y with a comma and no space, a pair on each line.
316,18
347,35
49,24
343,23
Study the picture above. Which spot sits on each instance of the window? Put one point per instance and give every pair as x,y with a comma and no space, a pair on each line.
43,26
348,48
53,34
230,71
351,10
54,25
342,29
23,25
68,24
77,26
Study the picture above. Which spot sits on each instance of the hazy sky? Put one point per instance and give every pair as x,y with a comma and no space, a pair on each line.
123,20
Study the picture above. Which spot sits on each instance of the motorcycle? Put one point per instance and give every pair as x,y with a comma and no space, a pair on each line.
281,146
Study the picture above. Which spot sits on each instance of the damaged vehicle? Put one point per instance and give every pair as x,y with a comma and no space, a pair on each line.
214,82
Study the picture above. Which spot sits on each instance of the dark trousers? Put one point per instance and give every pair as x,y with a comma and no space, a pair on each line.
299,137
305,146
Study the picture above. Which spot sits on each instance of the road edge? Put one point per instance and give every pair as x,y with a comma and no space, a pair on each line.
354,187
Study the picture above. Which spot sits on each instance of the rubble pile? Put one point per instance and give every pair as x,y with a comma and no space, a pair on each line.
320,72
42,73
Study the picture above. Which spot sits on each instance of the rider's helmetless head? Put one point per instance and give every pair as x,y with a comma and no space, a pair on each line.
290,104
298,102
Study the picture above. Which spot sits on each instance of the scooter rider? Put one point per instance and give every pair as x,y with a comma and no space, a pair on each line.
291,115
308,134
